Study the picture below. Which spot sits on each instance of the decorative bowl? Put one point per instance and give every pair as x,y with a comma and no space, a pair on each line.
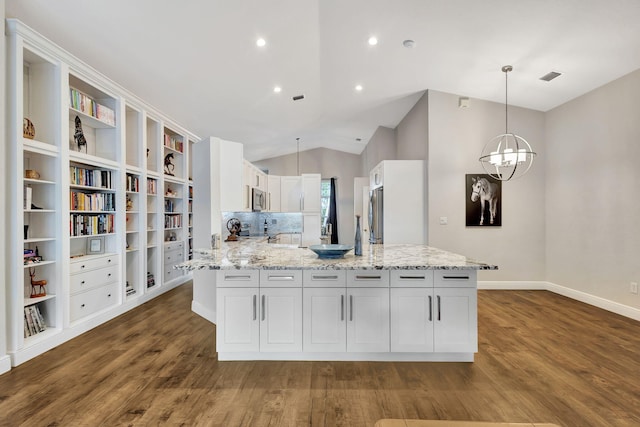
331,251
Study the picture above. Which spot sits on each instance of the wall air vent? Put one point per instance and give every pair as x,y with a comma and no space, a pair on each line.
550,76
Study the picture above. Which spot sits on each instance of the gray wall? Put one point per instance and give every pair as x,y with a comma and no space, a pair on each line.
456,139
328,163
593,189
412,133
381,146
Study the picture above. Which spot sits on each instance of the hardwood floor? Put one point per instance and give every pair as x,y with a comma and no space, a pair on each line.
542,358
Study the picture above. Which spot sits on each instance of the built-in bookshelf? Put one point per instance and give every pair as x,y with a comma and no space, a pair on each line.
88,191
190,223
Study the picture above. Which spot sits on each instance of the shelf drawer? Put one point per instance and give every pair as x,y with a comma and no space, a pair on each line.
324,278
86,264
94,278
455,278
411,278
237,278
368,278
173,246
92,301
170,273
173,257
280,278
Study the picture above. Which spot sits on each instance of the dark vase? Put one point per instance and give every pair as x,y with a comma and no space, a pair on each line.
357,251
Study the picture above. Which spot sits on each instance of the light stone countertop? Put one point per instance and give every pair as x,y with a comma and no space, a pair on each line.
250,254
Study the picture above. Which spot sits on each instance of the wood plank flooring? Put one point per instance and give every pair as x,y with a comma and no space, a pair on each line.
542,358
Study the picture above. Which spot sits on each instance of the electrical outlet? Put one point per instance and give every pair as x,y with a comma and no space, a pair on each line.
633,288
444,220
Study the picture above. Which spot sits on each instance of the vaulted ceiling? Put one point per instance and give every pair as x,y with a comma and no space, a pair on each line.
198,62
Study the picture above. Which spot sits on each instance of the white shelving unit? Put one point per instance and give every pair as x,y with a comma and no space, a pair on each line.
80,201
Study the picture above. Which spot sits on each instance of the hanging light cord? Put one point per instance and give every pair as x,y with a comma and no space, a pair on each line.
298,155
506,116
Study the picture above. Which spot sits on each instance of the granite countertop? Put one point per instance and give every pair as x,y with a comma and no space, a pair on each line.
257,255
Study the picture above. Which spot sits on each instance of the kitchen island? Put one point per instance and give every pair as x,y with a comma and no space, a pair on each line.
394,303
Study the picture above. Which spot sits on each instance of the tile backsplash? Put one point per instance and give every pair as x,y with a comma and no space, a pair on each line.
253,223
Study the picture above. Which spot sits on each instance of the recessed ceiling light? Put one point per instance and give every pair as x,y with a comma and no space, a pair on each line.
261,42
373,41
277,89
359,88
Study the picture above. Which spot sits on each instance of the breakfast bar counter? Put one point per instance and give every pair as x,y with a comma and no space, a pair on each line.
395,303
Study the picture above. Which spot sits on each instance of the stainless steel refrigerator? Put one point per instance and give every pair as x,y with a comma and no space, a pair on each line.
376,216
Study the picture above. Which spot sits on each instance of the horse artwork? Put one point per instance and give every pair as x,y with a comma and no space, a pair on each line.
487,191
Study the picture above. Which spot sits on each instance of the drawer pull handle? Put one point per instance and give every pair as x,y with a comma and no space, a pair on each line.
82,266
234,277
109,275
358,277
314,277
281,277
412,277
430,308
109,296
342,308
263,310
455,277
108,260
351,308
81,305
82,283
254,307
439,314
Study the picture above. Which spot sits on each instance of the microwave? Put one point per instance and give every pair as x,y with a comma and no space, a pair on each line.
259,200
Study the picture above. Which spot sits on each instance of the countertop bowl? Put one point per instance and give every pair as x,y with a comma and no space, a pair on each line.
331,251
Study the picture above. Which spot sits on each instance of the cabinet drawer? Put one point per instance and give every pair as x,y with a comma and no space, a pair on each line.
280,278
93,263
94,278
455,278
368,278
237,278
170,273
92,301
173,246
411,278
173,257
324,278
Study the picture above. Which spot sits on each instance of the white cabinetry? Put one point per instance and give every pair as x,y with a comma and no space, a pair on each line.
324,321
94,285
238,327
290,194
173,254
273,193
310,229
311,188
368,325
281,319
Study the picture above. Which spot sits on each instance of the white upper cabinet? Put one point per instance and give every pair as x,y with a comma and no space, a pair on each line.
290,194
311,187
273,193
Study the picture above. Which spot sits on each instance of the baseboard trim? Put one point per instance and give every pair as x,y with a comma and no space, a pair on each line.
203,311
605,304
5,364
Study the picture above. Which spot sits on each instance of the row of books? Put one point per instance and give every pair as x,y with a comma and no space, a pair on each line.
172,221
90,177
152,186
33,321
81,102
169,205
173,142
133,183
92,201
87,225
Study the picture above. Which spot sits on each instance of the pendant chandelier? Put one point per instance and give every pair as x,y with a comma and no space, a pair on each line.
507,156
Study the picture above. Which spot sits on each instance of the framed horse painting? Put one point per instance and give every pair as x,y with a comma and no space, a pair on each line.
483,201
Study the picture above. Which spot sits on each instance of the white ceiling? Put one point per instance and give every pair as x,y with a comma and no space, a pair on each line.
197,61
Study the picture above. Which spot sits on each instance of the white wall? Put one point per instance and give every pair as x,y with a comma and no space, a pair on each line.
593,192
328,163
456,138
4,359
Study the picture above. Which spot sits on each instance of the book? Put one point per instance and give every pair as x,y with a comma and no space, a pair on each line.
27,198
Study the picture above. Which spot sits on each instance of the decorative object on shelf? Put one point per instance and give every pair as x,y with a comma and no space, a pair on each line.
358,240
78,136
170,193
31,256
129,203
28,129
508,155
215,241
35,208
169,167
488,191
151,281
26,232
330,251
95,245
37,286
31,174
235,227
172,237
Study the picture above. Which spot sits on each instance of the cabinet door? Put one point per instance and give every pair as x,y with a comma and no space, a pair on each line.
281,319
290,194
238,328
247,180
324,320
412,319
368,320
311,189
456,322
311,224
273,193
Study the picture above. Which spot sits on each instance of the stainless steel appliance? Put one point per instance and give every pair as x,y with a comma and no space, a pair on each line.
376,216
258,200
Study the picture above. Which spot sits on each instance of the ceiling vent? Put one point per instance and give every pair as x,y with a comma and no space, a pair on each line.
550,76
